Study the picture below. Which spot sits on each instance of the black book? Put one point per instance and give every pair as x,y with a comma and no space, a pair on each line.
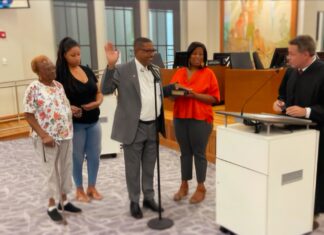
180,92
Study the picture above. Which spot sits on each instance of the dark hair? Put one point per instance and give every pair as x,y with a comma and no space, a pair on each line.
304,43
140,41
190,50
62,68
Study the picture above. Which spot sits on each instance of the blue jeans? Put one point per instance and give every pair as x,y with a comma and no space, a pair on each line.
86,144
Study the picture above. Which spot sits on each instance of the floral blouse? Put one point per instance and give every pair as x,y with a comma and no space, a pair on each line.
51,109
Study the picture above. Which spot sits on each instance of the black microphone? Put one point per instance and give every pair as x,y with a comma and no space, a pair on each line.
155,72
259,88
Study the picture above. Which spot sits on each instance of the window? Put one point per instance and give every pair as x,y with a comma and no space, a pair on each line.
164,28
123,26
75,18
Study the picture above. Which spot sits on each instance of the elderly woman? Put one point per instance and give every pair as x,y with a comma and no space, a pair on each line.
48,112
193,118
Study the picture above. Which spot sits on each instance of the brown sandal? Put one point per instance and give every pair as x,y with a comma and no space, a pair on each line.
199,195
93,193
81,196
183,191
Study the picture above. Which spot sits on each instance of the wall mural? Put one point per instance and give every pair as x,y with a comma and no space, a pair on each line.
257,25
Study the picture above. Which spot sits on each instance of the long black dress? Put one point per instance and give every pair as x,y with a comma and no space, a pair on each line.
306,89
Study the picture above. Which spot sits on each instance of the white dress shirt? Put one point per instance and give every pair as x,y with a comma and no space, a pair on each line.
146,82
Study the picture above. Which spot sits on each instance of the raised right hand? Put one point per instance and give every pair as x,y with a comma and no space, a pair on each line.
112,54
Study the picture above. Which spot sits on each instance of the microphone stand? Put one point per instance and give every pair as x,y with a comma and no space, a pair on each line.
256,124
158,223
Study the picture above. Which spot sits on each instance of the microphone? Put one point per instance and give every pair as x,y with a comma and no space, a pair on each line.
155,73
259,88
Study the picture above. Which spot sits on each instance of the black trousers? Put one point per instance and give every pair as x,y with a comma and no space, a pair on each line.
192,136
319,195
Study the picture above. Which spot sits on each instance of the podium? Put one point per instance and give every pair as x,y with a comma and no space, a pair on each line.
265,181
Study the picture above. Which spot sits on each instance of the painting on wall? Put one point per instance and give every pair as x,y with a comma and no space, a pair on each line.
257,25
7,4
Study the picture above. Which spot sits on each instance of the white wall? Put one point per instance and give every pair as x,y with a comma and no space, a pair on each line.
144,18
310,15
10,47
213,27
183,25
197,18
200,22
101,32
29,33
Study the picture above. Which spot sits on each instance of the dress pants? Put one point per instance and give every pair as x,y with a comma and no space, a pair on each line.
140,158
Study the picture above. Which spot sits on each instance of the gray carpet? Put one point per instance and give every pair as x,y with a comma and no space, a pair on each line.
23,205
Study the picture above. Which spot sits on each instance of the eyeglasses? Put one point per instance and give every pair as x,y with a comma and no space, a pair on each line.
148,50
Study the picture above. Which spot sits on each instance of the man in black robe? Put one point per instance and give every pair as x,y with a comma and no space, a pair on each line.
301,94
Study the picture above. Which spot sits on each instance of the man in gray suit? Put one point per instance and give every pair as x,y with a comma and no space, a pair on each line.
134,124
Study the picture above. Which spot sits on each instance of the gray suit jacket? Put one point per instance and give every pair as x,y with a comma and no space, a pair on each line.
124,78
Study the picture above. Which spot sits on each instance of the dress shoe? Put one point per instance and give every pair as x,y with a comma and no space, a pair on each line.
81,196
199,195
69,207
135,210
183,191
151,204
226,231
55,215
93,193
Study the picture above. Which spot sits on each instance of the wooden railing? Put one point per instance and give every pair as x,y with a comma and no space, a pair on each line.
14,85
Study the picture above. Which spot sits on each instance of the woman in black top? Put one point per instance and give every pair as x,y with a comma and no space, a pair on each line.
81,88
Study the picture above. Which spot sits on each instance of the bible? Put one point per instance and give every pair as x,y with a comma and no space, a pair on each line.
180,92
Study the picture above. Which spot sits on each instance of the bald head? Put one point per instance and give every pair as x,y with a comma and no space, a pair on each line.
44,68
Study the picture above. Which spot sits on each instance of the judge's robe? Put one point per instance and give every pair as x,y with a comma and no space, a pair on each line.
306,89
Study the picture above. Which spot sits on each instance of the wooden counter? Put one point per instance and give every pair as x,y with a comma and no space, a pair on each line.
260,86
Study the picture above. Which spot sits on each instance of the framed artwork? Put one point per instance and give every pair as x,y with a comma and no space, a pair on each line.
8,4
257,25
